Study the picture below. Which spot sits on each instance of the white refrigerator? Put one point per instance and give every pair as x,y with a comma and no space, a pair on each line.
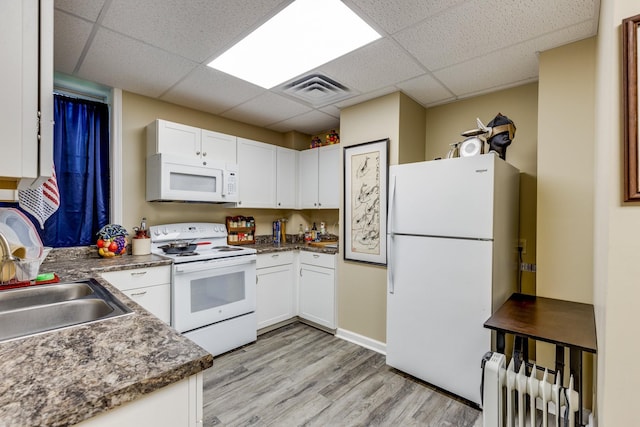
452,241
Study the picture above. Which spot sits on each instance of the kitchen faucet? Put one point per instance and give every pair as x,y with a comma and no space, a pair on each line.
6,250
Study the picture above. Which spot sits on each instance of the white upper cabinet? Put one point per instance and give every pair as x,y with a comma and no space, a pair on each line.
26,84
329,177
257,174
191,142
286,177
218,147
319,177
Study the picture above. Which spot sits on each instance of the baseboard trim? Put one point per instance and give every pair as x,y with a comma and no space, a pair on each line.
362,341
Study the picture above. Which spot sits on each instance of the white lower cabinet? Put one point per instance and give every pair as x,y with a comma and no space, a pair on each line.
317,288
176,405
275,288
150,287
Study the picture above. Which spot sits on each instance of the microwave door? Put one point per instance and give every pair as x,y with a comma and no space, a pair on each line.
190,183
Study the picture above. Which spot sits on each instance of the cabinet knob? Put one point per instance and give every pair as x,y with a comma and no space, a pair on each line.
197,153
204,154
204,163
315,204
319,204
279,203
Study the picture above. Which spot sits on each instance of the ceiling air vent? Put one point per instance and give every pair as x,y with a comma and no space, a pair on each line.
317,90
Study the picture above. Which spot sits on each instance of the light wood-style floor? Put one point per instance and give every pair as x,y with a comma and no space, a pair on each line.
300,376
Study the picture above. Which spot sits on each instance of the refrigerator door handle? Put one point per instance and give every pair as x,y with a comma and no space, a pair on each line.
390,285
392,194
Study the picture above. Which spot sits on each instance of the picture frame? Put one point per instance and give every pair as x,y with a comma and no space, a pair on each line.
365,202
631,51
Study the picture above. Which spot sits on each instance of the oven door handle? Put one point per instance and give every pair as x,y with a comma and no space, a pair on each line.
214,263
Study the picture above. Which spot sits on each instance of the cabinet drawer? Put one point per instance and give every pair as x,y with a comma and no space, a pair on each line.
138,277
318,259
155,299
275,258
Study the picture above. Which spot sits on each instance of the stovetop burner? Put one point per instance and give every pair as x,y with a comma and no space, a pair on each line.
192,253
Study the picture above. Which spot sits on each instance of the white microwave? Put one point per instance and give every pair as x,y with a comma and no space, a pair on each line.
174,179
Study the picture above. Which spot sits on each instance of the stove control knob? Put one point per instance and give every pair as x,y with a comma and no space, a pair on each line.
165,230
156,232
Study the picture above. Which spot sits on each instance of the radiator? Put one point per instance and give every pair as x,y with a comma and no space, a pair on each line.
513,399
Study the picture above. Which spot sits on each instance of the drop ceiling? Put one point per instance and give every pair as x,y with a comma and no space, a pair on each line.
434,51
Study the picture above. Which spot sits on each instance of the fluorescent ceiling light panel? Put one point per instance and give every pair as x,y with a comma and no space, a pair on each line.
303,36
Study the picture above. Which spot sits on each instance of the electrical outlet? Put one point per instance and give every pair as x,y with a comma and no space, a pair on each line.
522,243
528,267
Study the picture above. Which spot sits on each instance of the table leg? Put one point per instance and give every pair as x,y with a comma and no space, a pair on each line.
575,359
500,342
560,362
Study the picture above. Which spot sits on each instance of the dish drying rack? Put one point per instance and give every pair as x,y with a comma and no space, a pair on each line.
14,270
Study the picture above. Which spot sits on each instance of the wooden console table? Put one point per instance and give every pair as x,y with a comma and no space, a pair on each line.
563,323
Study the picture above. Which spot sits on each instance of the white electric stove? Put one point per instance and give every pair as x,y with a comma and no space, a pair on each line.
213,290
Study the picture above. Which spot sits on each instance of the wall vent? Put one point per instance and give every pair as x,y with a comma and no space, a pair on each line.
317,90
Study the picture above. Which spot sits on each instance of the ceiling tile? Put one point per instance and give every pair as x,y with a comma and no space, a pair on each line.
195,29
212,91
436,45
266,109
393,15
376,65
72,33
310,123
425,90
118,61
367,96
83,8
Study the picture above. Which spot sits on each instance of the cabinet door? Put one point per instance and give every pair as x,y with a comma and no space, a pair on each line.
257,174
22,154
274,296
308,178
329,177
286,177
219,147
317,294
178,139
154,299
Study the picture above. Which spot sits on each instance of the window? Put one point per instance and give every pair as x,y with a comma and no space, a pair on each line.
81,158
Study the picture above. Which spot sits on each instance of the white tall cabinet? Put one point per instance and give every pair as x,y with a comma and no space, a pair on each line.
26,84
319,177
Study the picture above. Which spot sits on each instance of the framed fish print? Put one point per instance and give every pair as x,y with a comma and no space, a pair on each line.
630,67
365,202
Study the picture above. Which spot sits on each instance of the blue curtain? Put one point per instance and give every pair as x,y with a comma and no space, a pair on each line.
81,158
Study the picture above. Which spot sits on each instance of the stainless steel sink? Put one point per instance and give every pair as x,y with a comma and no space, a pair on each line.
37,309
37,295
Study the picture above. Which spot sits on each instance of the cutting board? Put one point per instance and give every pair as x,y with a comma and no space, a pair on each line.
322,243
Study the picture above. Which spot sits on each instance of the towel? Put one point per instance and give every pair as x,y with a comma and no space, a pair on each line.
43,201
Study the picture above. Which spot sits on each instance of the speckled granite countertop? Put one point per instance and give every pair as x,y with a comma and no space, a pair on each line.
265,248
63,377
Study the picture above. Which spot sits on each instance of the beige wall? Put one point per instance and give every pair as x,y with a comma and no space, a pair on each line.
362,300
445,123
617,235
565,172
565,182
138,111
